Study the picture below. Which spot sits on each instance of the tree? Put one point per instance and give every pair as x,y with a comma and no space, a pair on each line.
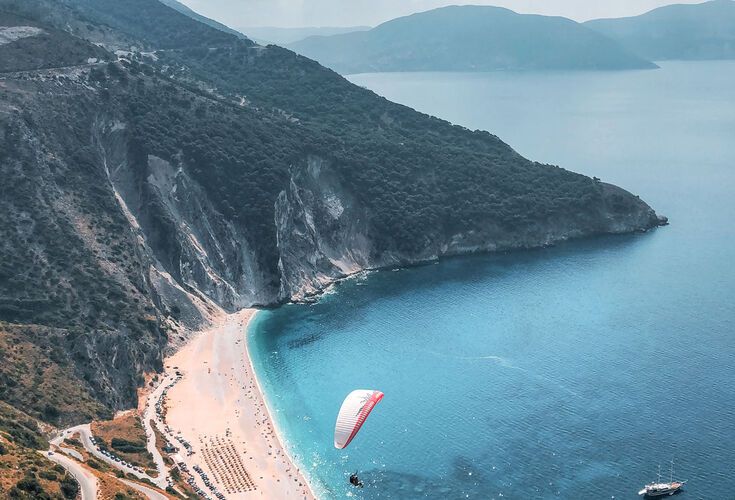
69,487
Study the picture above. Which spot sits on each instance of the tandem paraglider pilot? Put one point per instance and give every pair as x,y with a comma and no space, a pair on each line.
354,411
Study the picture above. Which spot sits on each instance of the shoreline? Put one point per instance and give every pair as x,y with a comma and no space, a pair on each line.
218,407
277,430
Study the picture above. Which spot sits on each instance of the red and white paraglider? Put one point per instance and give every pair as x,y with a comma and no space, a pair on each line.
353,413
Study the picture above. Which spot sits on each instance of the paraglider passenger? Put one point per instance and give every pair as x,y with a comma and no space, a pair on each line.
355,481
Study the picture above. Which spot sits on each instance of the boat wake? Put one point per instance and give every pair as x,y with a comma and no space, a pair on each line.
505,363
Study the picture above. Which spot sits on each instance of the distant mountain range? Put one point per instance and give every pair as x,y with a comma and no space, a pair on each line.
470,38
483,38
701,31
283,36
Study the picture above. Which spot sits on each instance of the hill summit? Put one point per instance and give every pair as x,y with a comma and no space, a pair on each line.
686,32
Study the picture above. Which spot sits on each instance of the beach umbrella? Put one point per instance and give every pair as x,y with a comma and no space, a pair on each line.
354,411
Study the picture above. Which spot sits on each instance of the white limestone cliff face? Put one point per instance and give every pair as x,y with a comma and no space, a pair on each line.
197,255
322,232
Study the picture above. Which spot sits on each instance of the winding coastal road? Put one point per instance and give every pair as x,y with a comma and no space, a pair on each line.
150,414
87,481
148,492
85,433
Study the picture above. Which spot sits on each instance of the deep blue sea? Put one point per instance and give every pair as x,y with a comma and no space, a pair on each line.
569,372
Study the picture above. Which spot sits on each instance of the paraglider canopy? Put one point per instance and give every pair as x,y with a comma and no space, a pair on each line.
353,413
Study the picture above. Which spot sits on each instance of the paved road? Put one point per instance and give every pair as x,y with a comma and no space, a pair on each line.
72,453
58,440
149,493
87,481
85,434
150,414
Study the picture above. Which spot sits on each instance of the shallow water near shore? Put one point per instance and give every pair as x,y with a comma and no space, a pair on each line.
567,372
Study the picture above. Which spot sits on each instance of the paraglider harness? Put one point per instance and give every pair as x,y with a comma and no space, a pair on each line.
355,481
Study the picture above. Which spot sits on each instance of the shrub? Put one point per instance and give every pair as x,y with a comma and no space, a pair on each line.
69,487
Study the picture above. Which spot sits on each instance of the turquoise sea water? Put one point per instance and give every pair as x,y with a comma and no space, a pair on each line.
568,372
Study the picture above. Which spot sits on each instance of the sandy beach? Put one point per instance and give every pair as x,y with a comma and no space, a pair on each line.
218,409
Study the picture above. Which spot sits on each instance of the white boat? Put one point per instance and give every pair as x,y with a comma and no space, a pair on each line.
659,488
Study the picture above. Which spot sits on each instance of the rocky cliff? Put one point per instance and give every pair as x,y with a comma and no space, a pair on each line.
323,234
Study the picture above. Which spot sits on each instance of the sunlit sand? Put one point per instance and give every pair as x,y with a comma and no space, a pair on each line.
219,409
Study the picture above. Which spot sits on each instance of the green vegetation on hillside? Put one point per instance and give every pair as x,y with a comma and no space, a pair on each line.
416,175
157,25
180,7
408,170
49,49
24,473
69,261
125,436
38,375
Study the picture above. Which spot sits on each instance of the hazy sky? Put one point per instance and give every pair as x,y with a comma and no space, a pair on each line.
295,13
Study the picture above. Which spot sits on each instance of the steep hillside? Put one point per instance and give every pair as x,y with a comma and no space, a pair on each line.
176,5
132,25
24,472
70,262
140,194
470,38
24,45
700,31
